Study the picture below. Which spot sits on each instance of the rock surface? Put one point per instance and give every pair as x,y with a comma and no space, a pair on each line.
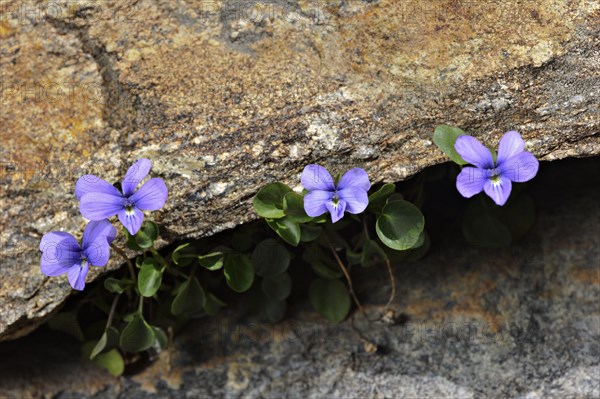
521,322
226,96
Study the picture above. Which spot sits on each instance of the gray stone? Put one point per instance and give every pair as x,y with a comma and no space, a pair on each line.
226,96
519,322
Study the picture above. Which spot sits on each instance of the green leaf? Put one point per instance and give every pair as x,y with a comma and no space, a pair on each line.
394,197
137,335
190,298
277,287
378,198
211,261
330,298
400,225
444,137
213,304
321,262
108,340
150,277
324,218
131,243
146,236
151,230
372,254
420,241
183,255
262,307
420,249
239,273
66,322
117,286
309,233
161,337
111,361
286,229
274,310
354,258
270,258
268,202
293,206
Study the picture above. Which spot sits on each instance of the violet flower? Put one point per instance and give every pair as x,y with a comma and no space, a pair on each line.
61,253
101,200
514,164
350,194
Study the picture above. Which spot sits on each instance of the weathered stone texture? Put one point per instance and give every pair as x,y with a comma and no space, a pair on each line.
226,96
518,322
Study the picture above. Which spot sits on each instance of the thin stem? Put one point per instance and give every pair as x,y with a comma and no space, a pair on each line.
141,304
124,256
112,311
192,272
365,228
346,274
365,234
158,257
393,281
176,272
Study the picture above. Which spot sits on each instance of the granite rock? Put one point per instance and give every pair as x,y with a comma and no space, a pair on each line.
225,96
520,322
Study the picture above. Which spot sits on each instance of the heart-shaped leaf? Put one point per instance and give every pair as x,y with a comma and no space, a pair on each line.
330,298
400,225
268,202
239,273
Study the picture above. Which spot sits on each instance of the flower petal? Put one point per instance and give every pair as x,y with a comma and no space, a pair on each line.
97,237
499,191
315,177
469,181
355,177
356,199
53,238
473,152
135,174
59,251
98,252
336,210
520,168
98,206
77,274
314,202
93,184
510,144
151,196
97,229
132,220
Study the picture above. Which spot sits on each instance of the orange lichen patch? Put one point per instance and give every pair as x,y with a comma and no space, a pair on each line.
49,101
588,276
466,301
5,30
424,309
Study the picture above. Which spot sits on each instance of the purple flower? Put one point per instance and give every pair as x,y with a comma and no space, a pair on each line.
101,200
514,164
61,253
350,194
